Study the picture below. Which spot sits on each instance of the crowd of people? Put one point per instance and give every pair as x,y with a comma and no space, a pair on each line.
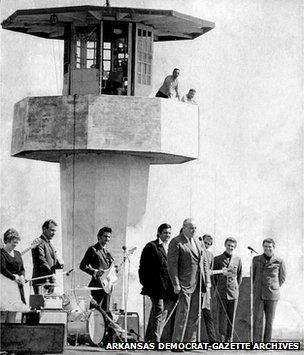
180,275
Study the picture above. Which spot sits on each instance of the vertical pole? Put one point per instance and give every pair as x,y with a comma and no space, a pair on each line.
251,299
100,56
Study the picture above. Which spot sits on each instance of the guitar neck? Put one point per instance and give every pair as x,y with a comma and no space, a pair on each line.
26,250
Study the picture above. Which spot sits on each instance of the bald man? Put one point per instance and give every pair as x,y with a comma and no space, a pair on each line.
185,256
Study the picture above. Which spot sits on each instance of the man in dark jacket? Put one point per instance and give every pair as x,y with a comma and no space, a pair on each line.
268,276
44,256
227,288
96,260
153,275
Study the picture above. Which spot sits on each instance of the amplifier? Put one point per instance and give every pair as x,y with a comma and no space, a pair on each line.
39,338
132,323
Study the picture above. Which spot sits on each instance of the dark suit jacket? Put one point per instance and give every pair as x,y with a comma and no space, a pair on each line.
183,263
44,260
95,258
268,276
153,272
228,286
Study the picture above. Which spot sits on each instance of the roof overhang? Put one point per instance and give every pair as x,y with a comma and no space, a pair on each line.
50,22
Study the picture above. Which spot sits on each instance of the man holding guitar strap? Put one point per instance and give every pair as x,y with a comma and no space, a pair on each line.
44,257
96,260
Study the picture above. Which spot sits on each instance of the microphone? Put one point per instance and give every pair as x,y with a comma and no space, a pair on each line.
69,272
200,239
252,250
124,248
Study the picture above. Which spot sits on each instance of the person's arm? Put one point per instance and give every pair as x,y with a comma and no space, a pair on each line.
177,92
282,273
254,268
145,265
173,259
86,266
239,272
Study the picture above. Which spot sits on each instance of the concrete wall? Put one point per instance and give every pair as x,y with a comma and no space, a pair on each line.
248,182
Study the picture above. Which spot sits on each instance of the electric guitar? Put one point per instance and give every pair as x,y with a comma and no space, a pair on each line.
109,276
10,294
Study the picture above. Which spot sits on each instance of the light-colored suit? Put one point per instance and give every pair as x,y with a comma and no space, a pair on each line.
227,293
184,260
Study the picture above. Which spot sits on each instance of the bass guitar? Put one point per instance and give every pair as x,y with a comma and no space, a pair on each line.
109,276
10,294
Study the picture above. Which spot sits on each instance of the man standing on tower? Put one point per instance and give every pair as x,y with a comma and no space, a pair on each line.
184,259
154,276
170,86
44,256
268,276
227,289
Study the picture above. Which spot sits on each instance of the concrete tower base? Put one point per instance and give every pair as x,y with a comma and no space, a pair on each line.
100,189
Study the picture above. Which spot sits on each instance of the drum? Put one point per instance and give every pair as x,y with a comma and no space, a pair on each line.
88,327
97,328
77,329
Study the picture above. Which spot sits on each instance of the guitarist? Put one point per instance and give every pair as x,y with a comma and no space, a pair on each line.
44,257
97,259
12,268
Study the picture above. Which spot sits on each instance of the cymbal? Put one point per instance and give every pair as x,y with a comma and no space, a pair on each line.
85,288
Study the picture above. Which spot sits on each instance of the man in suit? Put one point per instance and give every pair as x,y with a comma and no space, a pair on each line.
268,276
206,296
44,257
154,276
227,289
184,259
95,261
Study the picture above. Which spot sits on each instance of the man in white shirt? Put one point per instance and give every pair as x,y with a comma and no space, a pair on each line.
189,98
155,279
169,89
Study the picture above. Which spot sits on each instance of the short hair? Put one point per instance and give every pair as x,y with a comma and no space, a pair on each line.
162,227
192,90
187,221
230,239
176,69
104,230
46,224
205,236
269,240
10,235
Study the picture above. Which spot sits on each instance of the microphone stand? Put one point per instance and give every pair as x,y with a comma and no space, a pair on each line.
199,326
251,297
125,292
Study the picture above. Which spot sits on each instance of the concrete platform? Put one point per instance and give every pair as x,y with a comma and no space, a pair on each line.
164,131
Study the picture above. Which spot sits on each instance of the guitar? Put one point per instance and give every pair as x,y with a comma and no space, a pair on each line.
109,276
10,294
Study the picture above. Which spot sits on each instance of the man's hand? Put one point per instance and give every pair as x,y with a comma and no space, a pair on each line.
208,285
177,289
98,273
19,279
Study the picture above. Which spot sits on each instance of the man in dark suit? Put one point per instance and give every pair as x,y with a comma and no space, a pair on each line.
184,259
95,261
268,276
227,289
154,276
45,261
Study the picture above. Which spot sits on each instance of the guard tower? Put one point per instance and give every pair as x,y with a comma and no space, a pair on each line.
105,131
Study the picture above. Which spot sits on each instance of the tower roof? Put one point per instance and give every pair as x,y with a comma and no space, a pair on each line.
50,22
